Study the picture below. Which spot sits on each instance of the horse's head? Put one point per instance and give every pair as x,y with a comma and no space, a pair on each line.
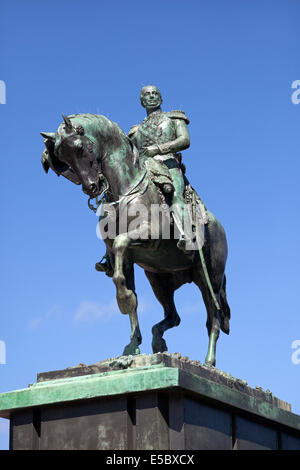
73,152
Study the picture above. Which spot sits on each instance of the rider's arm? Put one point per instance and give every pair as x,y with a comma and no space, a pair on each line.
132,133
181,142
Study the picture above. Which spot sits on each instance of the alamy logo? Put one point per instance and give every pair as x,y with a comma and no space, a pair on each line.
156,222
2,92
296,94
2,352
296,354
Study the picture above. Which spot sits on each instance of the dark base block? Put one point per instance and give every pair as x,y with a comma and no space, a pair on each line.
155,402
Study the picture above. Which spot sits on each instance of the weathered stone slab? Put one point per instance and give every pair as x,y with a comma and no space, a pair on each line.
154,402
168,360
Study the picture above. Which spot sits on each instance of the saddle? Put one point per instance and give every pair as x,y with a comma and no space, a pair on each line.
159,174
197,217
196,213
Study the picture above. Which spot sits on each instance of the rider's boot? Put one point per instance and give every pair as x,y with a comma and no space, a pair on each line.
186,240
105,267
181,218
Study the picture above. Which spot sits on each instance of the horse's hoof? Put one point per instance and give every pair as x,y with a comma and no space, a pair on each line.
210,363
159,345
131,350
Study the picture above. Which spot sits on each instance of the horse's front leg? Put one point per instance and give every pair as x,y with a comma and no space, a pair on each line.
126,297
135,336
124,281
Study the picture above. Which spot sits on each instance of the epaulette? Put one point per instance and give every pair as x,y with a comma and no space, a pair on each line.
133,130
177,114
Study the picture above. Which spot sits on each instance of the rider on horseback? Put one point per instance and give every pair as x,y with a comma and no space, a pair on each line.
160,136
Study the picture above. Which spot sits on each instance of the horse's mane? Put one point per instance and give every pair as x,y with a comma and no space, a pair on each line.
89,120
94,123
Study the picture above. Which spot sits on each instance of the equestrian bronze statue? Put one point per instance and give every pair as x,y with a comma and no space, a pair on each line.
149,214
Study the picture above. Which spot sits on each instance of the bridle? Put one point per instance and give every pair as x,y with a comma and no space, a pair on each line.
100,198
79,131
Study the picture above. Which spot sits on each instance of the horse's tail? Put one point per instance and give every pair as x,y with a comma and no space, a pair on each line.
225,316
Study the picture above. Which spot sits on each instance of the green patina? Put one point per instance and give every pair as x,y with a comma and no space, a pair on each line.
237,399
89,386
139,379
139,172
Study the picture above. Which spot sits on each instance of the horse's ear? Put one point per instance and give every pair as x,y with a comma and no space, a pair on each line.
48,135
67,122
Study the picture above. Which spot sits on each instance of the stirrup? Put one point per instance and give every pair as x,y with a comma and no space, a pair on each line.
101,267
105,267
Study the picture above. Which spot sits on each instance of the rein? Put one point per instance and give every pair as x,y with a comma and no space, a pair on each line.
101,198
79,130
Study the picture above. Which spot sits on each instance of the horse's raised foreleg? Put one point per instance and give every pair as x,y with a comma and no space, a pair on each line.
124,281
163,288
126,297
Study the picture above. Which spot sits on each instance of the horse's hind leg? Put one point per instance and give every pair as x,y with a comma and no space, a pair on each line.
213,329
163,288
213,314
225,308
218,311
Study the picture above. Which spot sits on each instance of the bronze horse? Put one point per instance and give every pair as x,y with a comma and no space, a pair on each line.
93,151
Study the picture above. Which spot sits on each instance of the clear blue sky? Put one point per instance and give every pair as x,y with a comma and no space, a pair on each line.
229,66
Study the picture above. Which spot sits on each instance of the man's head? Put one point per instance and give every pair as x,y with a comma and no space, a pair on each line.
150,97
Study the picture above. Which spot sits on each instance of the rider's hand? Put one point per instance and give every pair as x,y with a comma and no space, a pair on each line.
150,151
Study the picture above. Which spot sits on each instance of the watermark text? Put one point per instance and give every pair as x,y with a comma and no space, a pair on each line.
2,92
296,354
2,352
296,94
159,221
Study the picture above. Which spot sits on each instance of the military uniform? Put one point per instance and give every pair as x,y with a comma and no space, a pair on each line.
159,129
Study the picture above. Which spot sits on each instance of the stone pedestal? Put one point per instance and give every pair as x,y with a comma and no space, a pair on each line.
154,402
